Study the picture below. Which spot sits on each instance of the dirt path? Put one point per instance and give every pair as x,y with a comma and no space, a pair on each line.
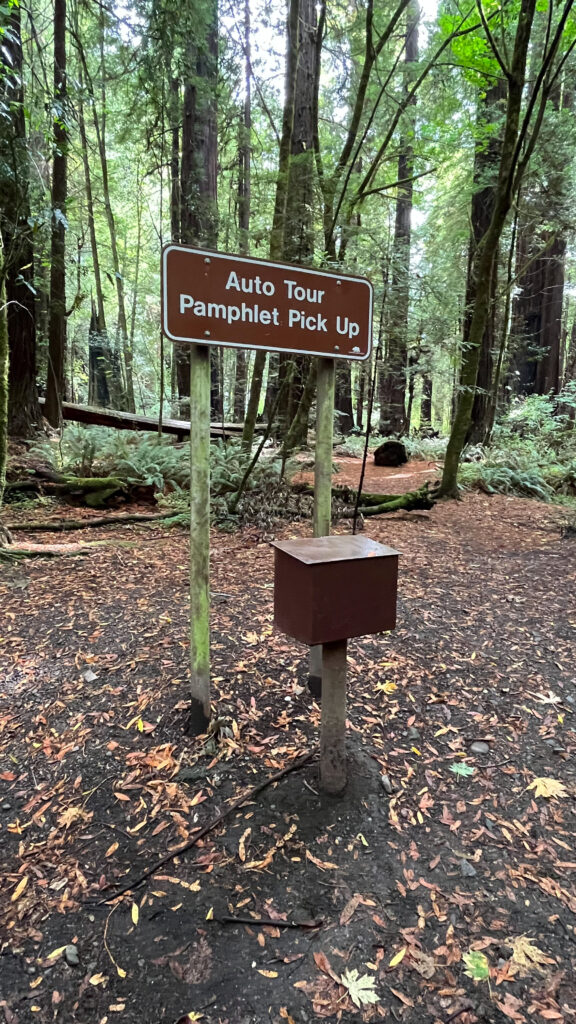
98,781
379,479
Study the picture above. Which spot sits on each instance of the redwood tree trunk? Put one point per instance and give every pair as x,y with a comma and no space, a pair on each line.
23,408
55,383
486,160
393,408
537,316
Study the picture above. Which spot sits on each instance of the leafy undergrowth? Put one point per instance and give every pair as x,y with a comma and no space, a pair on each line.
533,454
439,887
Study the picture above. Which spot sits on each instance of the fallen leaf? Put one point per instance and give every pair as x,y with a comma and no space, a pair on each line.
398,957
268,974
423,963
98,979
403,998
548,788
242,844
477,965
324,865
19,889
134,913
526,957
360,988
350,908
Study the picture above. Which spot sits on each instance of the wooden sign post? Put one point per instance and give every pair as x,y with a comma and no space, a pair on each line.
210,298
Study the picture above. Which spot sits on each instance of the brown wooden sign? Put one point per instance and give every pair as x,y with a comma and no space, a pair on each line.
210,298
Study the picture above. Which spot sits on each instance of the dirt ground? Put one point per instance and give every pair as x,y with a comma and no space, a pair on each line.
457,864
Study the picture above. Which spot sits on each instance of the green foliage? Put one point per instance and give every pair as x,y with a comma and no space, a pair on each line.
477,965
464,770
137,458
534,451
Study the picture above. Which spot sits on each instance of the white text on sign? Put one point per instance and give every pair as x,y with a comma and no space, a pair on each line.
245,313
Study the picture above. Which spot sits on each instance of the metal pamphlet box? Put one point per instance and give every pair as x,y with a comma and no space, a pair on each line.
327,590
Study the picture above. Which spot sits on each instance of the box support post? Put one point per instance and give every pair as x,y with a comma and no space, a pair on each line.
333,724
325,386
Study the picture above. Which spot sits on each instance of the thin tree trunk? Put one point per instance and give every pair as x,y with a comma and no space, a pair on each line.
393,411
426,401
198,179
102,373
55,383
244,204
3,378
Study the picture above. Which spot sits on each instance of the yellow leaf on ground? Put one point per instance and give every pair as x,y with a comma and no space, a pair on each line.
268,974
548,788
398,957
98,979
19,889
134,913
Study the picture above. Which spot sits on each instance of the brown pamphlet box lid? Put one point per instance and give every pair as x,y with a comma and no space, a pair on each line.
333,588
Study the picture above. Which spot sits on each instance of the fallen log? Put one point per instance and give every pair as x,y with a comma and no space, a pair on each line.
378,504
11,553
94,490
423,499
62,525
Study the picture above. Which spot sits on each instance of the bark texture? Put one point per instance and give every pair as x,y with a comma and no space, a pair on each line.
55,383
23,408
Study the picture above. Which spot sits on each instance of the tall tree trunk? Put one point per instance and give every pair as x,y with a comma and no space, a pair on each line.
244,204
537,316
3,377
363,376
103,383
199,165
291,237
297,374
23,408
175,114
486,161
426,400
487,248
55,383
393,408
343,407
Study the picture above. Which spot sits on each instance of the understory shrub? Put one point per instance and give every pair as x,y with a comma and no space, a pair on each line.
533,453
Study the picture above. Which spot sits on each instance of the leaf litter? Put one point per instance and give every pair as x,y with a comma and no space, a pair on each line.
91,766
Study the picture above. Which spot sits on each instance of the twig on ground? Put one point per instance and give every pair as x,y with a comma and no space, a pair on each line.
497,764
311,788
248,795
268,922
458,1013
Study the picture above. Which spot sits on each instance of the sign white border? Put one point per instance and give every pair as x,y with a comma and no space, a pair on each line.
290,267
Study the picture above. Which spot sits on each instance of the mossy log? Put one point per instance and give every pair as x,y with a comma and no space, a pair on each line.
409,502
378,504
94,491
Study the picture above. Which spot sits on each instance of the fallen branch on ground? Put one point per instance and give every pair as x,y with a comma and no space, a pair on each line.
248,795
61,525
267,922
10,553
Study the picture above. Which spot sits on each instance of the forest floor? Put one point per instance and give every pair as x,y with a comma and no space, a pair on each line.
458,862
